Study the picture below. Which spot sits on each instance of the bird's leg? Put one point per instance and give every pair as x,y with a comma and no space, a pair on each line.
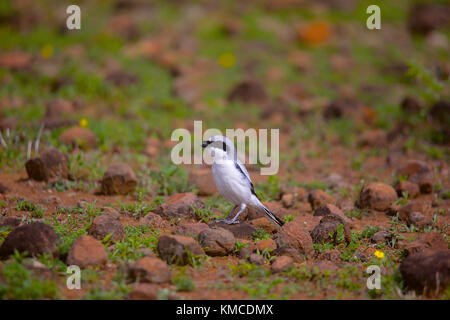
228,218
241,209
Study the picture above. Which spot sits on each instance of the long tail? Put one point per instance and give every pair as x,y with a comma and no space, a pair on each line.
271,216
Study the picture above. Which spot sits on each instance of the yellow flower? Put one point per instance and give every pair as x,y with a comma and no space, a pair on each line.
379,254
47,51
227,60
83,122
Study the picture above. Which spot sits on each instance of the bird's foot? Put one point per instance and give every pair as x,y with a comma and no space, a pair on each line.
227,221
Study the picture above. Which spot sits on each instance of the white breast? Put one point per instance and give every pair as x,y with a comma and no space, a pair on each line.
230,182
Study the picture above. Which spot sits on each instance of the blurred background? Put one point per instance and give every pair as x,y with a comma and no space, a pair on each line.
139,69
353,106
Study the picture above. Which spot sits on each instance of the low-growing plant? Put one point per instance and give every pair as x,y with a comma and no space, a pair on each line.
260,234
240,245
171,179
269,190
182,282
25,205
19,283
136,237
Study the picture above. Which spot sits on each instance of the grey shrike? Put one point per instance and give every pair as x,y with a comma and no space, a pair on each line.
233,181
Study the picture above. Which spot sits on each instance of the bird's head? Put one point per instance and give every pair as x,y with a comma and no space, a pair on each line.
220,147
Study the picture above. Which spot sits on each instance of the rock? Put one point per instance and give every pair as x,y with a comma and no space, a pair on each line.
327,225
393,210
239,230
79,137
153,220
427,241
319,197
407,186
191,229
380,236
55,123
203,180
331,255
427,271
3,189
299,193
121,78
341,62
48,165
315,33
294,235
426,186
415,212
87,251
341,108
275,207
152,147
34,238
174,249
119,178
146,252
264,224
245,253
281,264
415,217
52,200
266,244
288,200
361,256
376,195
410,105
217,242
418,172
7,123
290,252
323,266
335,181
180,205
426,17
151,270
327,209
9,221
256,259
144,291
15,60
58,108
373,138
440,112
248,91
110,212
104,225
38,268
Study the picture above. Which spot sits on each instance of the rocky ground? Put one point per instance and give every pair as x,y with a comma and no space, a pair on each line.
86,178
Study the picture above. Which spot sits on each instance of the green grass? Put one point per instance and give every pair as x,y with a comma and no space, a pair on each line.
183,282
19,283
260,234
136,238
25,205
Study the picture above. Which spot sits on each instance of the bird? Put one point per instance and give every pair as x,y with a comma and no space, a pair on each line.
233,181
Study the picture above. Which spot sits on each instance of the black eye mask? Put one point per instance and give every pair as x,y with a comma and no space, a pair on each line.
207,143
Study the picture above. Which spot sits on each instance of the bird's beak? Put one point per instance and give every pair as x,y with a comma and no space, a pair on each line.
204,144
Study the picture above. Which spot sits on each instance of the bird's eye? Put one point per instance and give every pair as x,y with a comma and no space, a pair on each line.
224,146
